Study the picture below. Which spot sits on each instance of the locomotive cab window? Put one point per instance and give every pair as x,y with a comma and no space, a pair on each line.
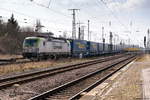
31,42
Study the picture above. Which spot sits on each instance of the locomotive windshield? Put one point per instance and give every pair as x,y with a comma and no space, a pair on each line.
31,42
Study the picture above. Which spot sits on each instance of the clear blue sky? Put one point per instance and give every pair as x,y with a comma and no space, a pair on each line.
57,18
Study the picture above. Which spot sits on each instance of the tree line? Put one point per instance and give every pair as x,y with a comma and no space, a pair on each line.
12,36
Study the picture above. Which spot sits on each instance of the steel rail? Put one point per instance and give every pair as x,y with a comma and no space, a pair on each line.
19,79
79,94
12,61
74,82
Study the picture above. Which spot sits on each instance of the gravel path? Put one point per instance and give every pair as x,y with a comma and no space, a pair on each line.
129,85
29,89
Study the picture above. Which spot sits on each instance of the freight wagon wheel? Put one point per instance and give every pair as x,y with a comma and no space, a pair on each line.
54,57
34,59
45,57
39,57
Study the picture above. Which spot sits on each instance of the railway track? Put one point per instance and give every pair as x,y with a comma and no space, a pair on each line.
13,61
23,78
73,90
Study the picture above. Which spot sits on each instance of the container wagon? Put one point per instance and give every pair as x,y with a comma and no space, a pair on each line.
78,48
101,48
92,48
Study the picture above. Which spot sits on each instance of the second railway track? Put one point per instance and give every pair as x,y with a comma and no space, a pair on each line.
20,60
13,61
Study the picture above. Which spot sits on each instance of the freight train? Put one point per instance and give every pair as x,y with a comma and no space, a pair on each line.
50,47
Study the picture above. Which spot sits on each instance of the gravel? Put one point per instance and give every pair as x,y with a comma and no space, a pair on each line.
17,69
27,90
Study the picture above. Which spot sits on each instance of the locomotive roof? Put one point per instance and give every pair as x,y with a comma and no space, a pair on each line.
49,39
34,37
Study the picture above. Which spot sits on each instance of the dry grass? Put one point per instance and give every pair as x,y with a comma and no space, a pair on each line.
4,56
37,65
18,68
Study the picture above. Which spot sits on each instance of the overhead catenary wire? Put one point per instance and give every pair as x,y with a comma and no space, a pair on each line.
93,18
32,17
117,6
50,1
48,7
112,13
55,11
